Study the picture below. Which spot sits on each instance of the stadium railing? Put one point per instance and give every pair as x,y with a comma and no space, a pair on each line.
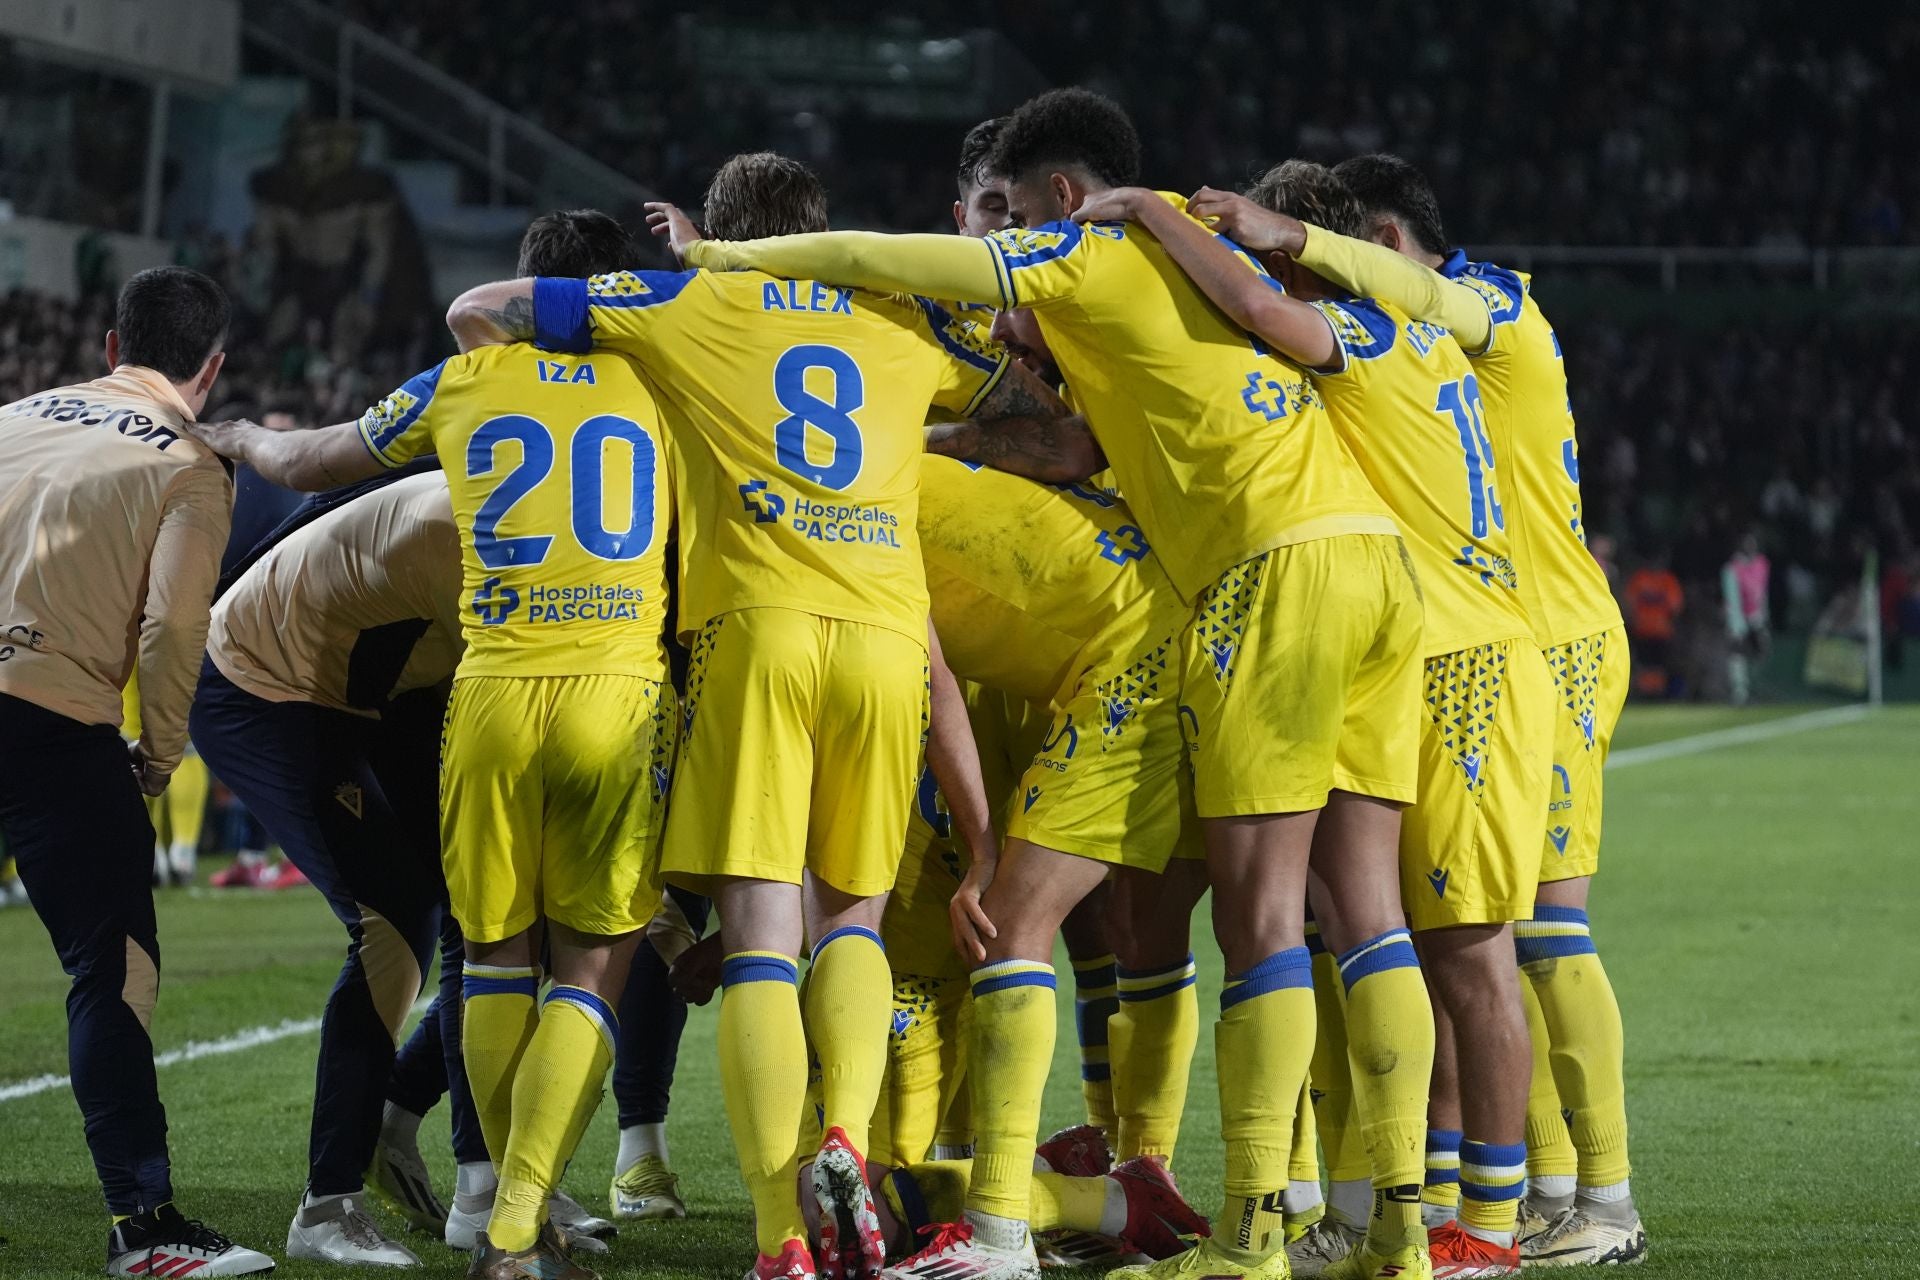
519,161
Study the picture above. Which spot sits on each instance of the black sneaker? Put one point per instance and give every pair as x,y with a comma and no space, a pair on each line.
163,1242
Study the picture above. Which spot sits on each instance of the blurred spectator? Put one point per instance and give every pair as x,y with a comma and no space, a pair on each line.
1743,586
1654,599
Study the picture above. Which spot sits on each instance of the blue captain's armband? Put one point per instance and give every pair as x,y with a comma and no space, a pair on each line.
560,320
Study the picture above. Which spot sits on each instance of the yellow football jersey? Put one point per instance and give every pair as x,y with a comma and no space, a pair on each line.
562,491
1035,584
1223,449
798,412
1408,405
1524,384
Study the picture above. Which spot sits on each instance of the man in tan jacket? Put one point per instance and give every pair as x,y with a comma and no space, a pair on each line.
112,521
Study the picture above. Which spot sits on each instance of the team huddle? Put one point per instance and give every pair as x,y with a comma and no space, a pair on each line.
1032,582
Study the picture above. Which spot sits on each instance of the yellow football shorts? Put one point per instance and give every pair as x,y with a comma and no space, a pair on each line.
926,1065
1469,846
1303,676
1110,781
916,928
1590,680
799,751
552,794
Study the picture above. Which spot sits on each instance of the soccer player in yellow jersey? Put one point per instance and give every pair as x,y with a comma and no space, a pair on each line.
800,408
1300,666
1517,358
1408,405
560,734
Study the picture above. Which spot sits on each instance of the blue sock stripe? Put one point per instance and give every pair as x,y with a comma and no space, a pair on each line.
1155,993
1153,984
1283,970
1528,948
1096,1071
498,980
1482,1192
599,1011
1316,945
1559,915
1444,1140
1098,969
845,931
1008,974
1391,950
1442,1177
754,966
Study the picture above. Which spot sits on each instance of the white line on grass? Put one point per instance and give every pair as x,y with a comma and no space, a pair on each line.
1738,735
252,1037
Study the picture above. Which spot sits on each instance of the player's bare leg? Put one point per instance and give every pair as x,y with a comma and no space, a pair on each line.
1356,898
1586,1054
849,1000
1152,1039
1011,1048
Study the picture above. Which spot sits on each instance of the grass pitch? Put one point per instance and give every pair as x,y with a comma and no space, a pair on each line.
1755,913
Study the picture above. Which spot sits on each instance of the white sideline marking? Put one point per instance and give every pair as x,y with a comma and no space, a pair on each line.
239,1041
192,1049
1738,735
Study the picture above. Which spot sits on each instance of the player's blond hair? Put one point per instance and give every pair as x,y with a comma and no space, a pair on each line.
1312,193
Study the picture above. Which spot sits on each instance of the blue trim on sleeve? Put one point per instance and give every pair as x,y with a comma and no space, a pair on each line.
1506,284
560,320
656,287
421,387
1071,234
1372,319
938,317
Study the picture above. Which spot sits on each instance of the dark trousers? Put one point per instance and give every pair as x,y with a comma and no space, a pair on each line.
652,1019
73,817
353,801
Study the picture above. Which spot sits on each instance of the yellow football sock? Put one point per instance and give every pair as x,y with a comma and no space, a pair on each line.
763,1080
1331,1078
1094,1005
186,798
1587,1043
499,1013
937,1191
1493,1177
1262,1045
1441,1187
555,1092
1063,1203
1303,1160
1013,1033
1154,1034
849,1006
1390,1055
1550,1152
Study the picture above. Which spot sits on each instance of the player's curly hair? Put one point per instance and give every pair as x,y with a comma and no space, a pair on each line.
1069,127
974,150
1389,187
1311,192
763,193
577,243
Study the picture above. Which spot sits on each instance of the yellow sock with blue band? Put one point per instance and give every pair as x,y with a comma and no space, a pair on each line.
1262,1045
1154,1034
1493,1177
1390,1053
1587,1044
849,1008
500,1010
555,1091
1011,1049
1094,1003
763,1080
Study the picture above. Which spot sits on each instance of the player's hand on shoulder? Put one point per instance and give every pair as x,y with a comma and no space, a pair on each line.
150,781
225,438
666,219
1251,226
1116,204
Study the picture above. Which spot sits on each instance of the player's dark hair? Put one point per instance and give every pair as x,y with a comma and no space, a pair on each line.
576,242
1069,127
974,150
1311,192
1389,187
170,319
763,193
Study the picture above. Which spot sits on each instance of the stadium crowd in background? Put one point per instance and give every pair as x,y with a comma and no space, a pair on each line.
1713,126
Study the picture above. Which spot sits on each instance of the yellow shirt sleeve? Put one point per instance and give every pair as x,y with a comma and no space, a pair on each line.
956,267
1375,271
972,362
396,430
